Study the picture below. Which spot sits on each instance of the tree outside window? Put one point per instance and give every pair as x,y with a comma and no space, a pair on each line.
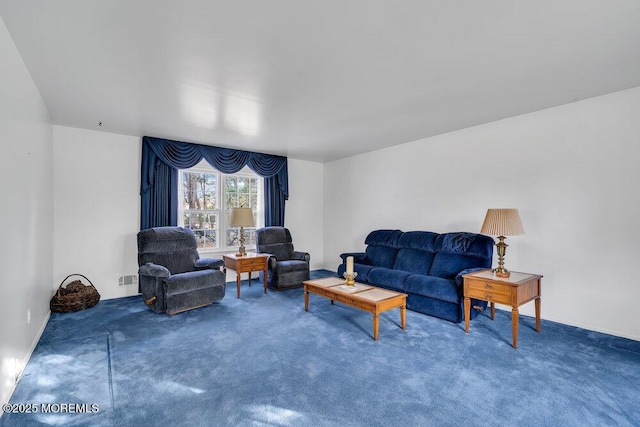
207,199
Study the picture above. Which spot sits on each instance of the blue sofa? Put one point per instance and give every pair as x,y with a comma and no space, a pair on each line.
427,266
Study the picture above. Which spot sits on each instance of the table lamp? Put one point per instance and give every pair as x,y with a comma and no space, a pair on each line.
501,223
241,217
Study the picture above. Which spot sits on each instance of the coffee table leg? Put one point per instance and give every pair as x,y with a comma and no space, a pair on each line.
537,302
249,278
306,299
403,316
376,324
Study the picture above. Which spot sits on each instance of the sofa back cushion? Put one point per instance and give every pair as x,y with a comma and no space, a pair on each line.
458,251
382,247
416,251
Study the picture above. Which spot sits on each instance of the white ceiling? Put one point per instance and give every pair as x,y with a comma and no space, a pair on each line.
318,80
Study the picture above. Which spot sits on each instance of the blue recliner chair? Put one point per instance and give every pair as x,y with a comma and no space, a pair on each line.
173,277
287,268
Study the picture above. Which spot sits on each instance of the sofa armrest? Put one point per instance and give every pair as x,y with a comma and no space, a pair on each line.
154,270
208,264
358,257
302,256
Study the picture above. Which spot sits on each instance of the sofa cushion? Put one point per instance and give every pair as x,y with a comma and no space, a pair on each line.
383,238
388,278
382,247
458,251
416,251
380,256
447,266
433,287
362,270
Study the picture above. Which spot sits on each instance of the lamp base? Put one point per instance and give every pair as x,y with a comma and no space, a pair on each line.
500,271
504,273
241,250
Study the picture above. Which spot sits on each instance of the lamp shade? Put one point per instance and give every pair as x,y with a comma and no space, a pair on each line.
502,222
241,217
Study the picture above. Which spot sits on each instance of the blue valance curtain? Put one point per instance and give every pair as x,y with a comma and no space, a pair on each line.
161,159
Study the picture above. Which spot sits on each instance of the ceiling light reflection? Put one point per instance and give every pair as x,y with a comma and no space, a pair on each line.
199,105
242,115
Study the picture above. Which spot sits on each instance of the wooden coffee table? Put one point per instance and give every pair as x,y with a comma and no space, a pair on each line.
365,297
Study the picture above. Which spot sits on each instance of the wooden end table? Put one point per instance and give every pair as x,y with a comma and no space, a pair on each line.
365,297
518,289
246,264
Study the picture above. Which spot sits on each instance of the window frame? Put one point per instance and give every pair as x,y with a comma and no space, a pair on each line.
223,212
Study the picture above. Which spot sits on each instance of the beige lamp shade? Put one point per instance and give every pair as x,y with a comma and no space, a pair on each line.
242,217
502,222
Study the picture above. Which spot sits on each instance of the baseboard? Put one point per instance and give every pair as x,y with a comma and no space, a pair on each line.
565,322
596,329
27,357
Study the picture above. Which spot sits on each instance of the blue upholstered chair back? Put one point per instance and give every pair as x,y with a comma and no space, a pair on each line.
458,251
382,247
172,247
276,241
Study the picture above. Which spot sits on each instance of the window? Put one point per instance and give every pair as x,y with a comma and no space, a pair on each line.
207,197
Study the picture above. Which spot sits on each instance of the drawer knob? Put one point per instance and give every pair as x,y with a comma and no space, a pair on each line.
488,296
488,286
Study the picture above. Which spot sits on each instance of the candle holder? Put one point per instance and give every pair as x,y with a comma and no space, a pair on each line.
350,278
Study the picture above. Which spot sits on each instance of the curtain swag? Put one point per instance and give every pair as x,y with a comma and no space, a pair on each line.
161,159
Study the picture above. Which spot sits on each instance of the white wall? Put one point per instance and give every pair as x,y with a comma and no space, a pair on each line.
26,191
304,213
572,171
97,207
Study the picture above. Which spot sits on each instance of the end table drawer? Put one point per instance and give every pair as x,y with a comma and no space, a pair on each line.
252,263
259,264
490,291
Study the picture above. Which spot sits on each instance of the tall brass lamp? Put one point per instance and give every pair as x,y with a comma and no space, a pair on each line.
241,217
501,223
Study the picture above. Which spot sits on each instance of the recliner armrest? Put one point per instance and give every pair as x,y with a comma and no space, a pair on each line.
154,270
358,257
208,264
271,261
302,256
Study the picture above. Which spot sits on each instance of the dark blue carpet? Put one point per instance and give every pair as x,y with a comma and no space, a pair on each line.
262,360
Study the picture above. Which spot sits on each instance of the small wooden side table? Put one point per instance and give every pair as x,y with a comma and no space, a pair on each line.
518,289
246,264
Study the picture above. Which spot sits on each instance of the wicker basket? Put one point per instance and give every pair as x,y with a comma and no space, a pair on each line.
74,296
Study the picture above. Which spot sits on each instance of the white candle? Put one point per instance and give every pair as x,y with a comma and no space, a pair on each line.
349,265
